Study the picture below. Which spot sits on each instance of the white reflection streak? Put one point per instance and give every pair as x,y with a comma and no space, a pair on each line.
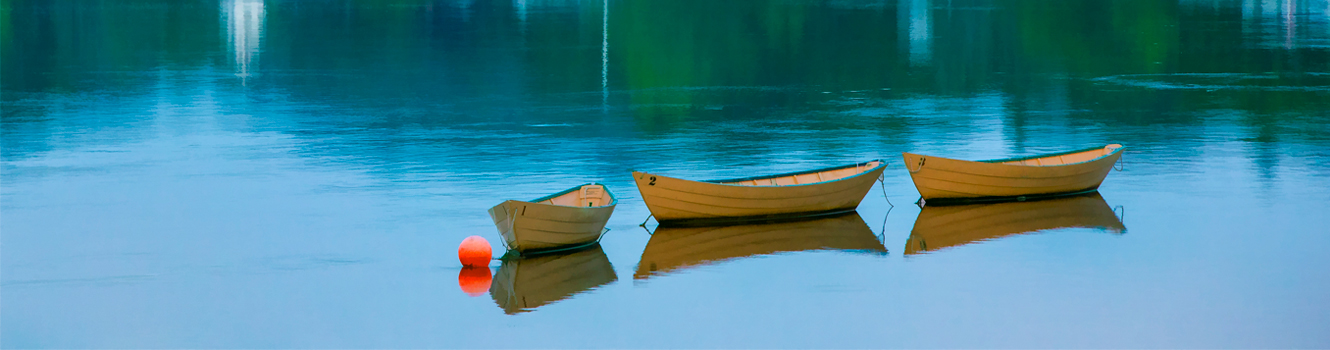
921,36
244,26
1290,22
520,7
1248,18
605,54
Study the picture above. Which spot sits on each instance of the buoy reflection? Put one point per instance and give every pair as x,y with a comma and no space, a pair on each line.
474,280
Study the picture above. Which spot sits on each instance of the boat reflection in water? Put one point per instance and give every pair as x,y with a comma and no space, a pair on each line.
948,226
525,284
675,248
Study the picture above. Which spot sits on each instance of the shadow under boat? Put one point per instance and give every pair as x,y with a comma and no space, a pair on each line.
675,248
947,226
524,284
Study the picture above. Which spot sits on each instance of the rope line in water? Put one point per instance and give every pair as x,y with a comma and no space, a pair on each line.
882,233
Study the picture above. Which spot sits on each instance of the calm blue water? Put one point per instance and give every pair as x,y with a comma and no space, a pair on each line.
297,174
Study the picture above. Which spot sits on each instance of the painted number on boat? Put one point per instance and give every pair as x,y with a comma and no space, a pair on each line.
653,181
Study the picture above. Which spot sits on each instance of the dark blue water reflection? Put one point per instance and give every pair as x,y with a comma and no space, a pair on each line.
252,174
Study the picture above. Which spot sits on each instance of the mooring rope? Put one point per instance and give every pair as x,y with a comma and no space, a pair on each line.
921,165
881,181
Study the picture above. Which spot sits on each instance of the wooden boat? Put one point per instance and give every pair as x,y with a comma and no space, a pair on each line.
675,248
569,219
942,180
818,192
947,226
527,283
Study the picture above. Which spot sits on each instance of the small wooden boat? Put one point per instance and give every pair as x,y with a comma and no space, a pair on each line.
942,180
569,219
947,226
527,283
818,192
675,248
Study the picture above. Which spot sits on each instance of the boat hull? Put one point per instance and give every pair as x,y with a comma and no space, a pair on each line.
534,228
944,180
674,201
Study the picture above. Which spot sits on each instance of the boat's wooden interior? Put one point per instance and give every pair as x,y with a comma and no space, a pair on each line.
1064,159
586,196
806,178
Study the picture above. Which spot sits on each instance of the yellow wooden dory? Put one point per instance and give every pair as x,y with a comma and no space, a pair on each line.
809,193
947,226
525,284
569,219
674,248
950,180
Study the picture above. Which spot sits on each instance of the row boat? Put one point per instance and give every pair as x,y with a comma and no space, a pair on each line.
818,192
677,248
947,226
569,219
942,180
527,283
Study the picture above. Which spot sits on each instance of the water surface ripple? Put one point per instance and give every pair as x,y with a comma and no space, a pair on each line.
250,173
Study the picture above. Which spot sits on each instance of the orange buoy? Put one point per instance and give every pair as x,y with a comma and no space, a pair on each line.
474,251
474,280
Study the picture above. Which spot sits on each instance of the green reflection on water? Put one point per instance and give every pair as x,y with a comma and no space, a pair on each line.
672,62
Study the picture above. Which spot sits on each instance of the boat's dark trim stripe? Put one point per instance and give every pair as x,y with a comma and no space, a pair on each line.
1031,197
514,254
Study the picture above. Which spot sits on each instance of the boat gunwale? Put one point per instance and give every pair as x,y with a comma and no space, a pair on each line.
613,198
1037,156
721,182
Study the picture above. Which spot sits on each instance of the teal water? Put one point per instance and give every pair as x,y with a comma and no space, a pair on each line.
296,174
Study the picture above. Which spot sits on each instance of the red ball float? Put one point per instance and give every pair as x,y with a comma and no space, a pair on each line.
475,251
